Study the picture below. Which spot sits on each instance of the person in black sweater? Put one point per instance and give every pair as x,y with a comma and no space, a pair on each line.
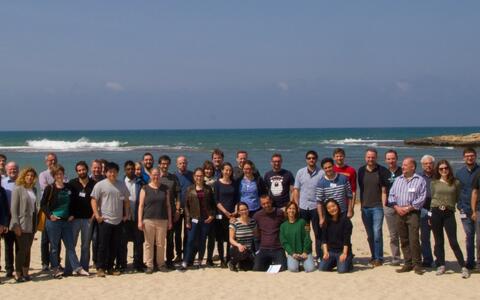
336,240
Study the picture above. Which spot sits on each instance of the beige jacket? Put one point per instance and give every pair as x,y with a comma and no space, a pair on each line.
24,214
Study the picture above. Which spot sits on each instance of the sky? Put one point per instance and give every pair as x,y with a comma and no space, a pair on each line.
238,64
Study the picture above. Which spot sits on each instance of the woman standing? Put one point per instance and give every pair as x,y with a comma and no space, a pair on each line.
57,207
251,187
154,218
23,221
295,239
199,214
445,192
242,233
336,240
226,199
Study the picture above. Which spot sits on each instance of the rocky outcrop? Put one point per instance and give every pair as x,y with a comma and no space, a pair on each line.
471,140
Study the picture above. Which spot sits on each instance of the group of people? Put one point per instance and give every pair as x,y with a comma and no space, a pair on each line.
174,218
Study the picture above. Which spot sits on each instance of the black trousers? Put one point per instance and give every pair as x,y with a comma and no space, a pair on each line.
108,244
130,233
441,219
11,247
212,238
267,257
174,240
94,237
222,230
244,260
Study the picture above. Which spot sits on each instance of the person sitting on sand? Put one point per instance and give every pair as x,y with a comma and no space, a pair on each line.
242,232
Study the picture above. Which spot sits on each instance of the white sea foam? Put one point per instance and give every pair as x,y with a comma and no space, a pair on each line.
84,144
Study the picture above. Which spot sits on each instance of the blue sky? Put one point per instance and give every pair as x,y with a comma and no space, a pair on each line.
238,64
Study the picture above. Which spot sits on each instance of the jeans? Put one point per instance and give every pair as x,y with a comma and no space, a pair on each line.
294,264
108,244
425,238
445,219
61,230
45,248
477,230
267,257
196,239
334,260
372,218
81,227
408,228
311,216
469,228
391,218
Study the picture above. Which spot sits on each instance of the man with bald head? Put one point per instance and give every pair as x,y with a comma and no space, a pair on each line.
8,183
407,197
185,179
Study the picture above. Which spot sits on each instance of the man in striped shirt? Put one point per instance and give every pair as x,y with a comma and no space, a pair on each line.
407,197
336,186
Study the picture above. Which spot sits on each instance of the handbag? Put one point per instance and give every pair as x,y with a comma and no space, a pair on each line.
42,216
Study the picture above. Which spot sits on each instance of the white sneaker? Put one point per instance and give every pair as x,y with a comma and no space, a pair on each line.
465,273
440,270
81,272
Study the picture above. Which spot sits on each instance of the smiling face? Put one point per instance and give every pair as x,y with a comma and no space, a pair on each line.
217,160
59,176
12,170
82,172
470,158
266,204
371,159
148,161
155,176
51,161
227,172
182,164
391,160
198,177
332,208
328,169
29,179
276,163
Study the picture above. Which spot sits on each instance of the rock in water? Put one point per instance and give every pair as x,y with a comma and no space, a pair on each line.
470,140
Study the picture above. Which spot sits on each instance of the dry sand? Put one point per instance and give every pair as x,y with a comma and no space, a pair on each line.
364,283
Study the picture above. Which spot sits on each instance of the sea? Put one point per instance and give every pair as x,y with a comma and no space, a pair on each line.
28,148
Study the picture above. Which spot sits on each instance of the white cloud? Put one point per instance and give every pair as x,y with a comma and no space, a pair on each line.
282,85
403,86
114,86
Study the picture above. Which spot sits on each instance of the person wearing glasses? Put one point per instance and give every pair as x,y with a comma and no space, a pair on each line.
304,194
445,189
279,182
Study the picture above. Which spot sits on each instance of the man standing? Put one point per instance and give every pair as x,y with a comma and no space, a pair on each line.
8,183
372,180
147,166
466,176
279,182
336,186
97,170
341,167
427,162
407,197
268,221
171,181
185,179
96,176
304,194
44,179
394,171
130,230
81,209
3,161
217,160
110,206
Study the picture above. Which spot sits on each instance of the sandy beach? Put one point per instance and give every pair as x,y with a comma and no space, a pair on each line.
379,283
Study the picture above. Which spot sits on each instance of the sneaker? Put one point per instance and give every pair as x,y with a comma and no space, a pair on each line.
440,270
81,272
183,267
405,268
395,263
419,270
377,263
100,273
465,273
45,268
57,273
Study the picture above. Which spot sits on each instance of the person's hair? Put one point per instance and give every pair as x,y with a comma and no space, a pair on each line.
164,158
128,163
97,161
265,196
138,164
297,211
372,150
391,151
241,151
241,203
21,177
58,168
326,160
311,152
277,155
147,154
450,177
81,163
336,203
208,165
111,166
469,150
198,169
338,151
427,157
249,162
3,156
227,164
217,151
50,154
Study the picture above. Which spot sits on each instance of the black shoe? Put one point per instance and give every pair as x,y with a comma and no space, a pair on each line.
149,271
210,263
418,270
19,279
170,266
45,268
427,264
139,270
405,269
232,267
27,278
223,264
9,275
